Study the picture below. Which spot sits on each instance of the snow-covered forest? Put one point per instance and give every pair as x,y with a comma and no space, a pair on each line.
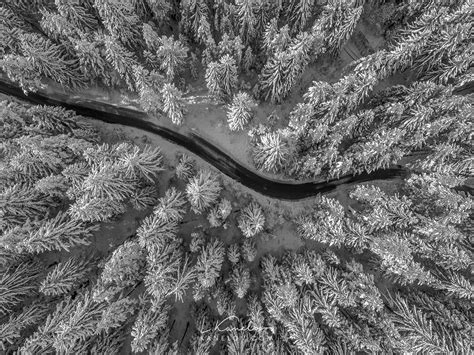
115,241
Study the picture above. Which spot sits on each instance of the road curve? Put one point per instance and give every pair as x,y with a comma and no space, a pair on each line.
199,146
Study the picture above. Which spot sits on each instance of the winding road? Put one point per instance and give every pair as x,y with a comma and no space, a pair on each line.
197,145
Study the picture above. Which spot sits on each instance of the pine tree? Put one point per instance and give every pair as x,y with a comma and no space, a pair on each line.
147,326
203,190
56,26
221,77
224,209
185,167
457,285
213,77
123,269
301,13
154,231
228,72
248,21
173,103
148,85
58,233
339,21
143,163
233,254
274,76
51,61
95,209
209,263
20,69
121,59
13,331
417,330
213,218
10,29
172,55
80,323
161,8
120,20
275,40
116,314
251,220
92,61
240,111
19,203
65,277
168,273
240,280
171,207
249,250
196,242
17,282
79,15
109,342
271,152
239,342
231,46
144,198
107,181
195,19
248,59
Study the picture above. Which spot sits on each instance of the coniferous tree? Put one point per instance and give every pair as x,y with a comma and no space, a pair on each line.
195,19
172,56
213,218
17,283
147,326
221,77
213,78
116,314
301,13
251,220
41,57
58,233
185,167
121,59
79,15
274,76
156,231
143,198
120,20
143,163
19,203
249,250
240,111
233,254
64,277
12,331
246,12
173,103
10,29
202,190
95,209
271,152
240,280
171,207
209,263
148,85
339,21
123,269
